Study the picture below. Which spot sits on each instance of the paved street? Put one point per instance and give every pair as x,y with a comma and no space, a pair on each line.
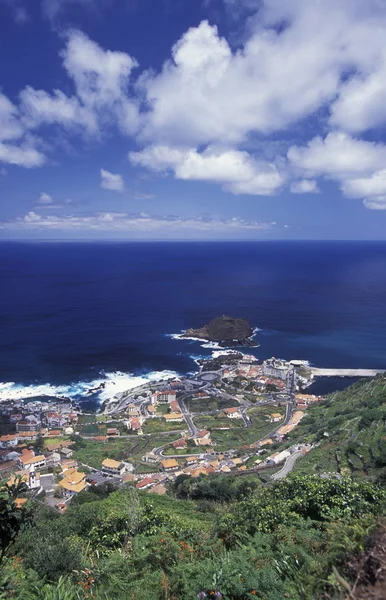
288,466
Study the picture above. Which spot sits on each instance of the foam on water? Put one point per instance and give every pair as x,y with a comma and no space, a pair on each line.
112,384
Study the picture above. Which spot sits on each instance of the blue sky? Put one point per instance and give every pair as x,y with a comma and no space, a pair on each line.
192,119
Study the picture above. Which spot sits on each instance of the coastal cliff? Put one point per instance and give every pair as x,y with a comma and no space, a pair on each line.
225,330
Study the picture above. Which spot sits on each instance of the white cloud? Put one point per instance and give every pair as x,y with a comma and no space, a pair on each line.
125,222
23,156
337,156
374,185
101,79
236,171
45,198
10,126
112,181
376,203
305,186
207,93
357,165
39,107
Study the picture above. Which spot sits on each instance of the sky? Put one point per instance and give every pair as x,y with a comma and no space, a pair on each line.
192,119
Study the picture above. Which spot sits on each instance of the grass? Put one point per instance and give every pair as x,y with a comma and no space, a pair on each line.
159,425
183,451
86,419
216,422
354,420
129,448
163,409
197,405
49,442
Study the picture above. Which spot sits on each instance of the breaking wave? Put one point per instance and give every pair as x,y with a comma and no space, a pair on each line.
104,388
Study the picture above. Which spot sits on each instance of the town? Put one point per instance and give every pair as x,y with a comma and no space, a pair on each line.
233,416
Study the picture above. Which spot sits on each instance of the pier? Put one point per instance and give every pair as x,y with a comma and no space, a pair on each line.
346,372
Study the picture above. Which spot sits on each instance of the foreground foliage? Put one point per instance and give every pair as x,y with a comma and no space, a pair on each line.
264,542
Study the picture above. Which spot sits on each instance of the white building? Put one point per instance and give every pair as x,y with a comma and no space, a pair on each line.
163,396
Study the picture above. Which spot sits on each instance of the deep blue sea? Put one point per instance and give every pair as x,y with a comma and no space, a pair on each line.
76,314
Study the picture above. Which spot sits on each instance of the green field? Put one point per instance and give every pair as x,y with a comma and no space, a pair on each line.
239,435
86,419
159,425
197,405
129,448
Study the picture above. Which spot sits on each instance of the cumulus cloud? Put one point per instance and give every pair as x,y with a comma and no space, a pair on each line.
112,181
113,221
210,110
236,171
45,198
355,164
337,156
22,156
305,186
101,81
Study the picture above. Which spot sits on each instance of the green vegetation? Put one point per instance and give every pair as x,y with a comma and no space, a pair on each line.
159,425
237,435
132,448
208,404
349,428
222,537
237,540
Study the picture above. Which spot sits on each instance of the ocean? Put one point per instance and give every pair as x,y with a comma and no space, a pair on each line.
73,315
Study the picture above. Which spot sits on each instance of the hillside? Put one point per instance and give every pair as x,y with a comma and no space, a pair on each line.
349,428
229,538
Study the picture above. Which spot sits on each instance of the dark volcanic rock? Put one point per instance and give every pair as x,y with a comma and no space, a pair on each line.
225,330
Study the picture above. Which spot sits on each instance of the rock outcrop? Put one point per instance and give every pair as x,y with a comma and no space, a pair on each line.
225,330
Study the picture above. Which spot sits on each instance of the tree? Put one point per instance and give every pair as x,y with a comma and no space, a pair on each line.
12,518
39,444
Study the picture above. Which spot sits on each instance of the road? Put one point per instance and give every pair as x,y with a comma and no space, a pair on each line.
288,466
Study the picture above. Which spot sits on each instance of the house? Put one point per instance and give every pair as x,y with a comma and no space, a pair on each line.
278,457
112,431
9,441
173,417
133,410
275,418
113,467
174,406
190,460
145,483
151,410
8,454
73,483
169,464
30,423
66,452
200,395
135,425
55,420
203,438
55,433
306,399
27,435
150,457
35,462
180,444
163,396
233,413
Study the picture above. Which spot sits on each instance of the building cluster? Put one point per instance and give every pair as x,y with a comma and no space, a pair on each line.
272,373
39,417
